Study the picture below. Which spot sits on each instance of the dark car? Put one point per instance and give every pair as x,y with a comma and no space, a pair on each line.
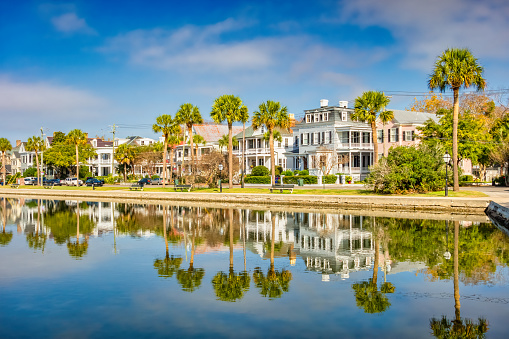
94,182
144,181
54,182
101,180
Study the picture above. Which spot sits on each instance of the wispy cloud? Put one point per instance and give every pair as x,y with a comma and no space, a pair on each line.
70,23
425,28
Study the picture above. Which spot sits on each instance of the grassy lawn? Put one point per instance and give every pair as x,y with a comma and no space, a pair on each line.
361,192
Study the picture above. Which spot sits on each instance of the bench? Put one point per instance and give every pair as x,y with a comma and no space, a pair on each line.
48,185
15,186
136,187
281,188
182,187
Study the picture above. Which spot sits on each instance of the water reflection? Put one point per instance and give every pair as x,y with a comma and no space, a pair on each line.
347,251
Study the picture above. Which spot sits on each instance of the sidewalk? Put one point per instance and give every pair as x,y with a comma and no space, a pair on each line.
498,194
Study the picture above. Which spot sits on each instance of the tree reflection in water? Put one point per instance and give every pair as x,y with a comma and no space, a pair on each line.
190,279
232,286
458,328
167,267
5,238
77,250
36,240
275,283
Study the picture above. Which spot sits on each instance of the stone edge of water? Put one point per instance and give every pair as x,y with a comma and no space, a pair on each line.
499,215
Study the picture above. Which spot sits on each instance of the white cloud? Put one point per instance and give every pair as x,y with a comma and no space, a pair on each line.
71,23
425,28
31,100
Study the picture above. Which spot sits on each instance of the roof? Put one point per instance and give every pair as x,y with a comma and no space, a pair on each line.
212,133
250,132
100,142
412,118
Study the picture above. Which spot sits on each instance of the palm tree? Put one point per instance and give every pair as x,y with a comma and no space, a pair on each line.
169,127
453,69
5,238
77,138
77,250
231,109
244,118
272,115
173,141
37,241
225,139
125,155
198,140
190,279
169,265
36,144
370,107
5,146
275,283
189,115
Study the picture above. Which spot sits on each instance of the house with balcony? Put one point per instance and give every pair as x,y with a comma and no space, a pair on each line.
328,141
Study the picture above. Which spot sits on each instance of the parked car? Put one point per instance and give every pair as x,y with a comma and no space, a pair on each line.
30,180
94,182
101,180
159,181
72,181
54,182
145,181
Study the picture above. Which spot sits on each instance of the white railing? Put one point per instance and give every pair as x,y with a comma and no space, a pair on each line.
355,146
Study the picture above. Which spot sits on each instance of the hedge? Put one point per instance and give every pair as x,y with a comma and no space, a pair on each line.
308,179
252,179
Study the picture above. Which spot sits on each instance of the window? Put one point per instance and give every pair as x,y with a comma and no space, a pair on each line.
356,137
356,161
343,116
309,118
379,136
286,142
393,136
279,144
326,116
408,136
344,137
327,137
316,138
366,138
305,138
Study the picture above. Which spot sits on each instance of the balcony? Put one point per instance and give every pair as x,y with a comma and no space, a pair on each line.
353,145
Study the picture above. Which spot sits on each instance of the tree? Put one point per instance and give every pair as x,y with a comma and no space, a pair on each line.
189,115
36,144
173,141
244,117
168,127
198,140
190,279
61,156
231,109
76,137
167,267
223,142
5,238
5,146
125,155
454,69
272,115
431,103
370,107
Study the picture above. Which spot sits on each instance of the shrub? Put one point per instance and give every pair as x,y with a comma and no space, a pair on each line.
409,169
296,172
254,179
279,169
30,172
466,178
499,181
329,179
308,179
287,173
304,172
260,171
348,178
155,176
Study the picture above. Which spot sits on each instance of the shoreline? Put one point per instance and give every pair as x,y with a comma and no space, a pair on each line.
434,205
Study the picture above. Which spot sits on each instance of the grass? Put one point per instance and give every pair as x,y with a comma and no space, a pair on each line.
238,190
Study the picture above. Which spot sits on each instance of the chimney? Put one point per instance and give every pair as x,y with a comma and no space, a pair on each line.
292,119
324,103
343,104
18,142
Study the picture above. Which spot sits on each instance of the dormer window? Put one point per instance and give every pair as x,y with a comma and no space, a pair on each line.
309,118
326,116
343,116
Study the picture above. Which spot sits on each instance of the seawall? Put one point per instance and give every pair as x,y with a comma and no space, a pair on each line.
499,215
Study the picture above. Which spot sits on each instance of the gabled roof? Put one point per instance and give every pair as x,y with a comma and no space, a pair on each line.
212,133
250,132
412,118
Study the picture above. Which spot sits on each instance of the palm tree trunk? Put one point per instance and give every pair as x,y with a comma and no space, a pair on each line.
457,304
455,112
125,172
272,157
4,168
377,255
273,219
243,152
165,232
171,165
78,223
165,151
230,156
230,215
375,143
38,172
77,167
4,212
191,263
190,132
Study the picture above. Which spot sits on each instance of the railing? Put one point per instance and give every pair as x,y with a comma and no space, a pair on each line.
355,146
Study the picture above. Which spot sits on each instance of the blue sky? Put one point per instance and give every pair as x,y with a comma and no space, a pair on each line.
90,64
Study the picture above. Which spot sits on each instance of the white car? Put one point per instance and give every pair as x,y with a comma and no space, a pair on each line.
159,181
72,181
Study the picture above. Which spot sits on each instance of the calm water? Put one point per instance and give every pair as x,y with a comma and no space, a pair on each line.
115,270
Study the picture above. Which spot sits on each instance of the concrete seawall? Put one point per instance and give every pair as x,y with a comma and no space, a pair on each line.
499,215
465,206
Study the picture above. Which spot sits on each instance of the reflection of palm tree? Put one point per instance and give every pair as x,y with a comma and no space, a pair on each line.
5,238
77,250
169,265
444,328
37,241
274,283
190,279
232,286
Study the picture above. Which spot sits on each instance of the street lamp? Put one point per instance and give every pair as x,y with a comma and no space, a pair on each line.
447,254
220,174
446,158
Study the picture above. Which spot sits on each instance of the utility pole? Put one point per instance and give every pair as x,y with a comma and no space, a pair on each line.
42,154
113,149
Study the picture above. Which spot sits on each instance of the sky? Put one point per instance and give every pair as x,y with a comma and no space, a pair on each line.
91,64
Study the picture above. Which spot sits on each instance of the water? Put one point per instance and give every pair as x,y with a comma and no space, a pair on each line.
122,278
